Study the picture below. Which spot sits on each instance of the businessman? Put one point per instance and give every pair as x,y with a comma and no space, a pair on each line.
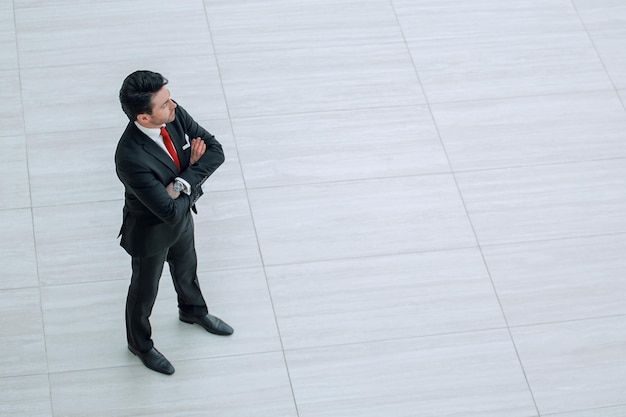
162,158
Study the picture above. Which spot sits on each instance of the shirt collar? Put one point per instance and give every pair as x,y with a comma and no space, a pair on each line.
153,133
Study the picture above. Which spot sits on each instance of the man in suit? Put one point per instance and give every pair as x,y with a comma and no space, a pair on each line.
162,171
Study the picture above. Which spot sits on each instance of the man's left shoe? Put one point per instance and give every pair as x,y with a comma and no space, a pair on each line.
210,323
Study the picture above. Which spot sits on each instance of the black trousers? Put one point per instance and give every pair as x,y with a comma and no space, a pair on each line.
144,285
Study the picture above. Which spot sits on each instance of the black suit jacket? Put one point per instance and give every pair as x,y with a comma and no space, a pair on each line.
152,221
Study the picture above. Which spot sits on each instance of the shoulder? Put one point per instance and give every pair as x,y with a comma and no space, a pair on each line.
128,140
181,114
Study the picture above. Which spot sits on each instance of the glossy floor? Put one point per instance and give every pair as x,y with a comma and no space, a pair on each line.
422,212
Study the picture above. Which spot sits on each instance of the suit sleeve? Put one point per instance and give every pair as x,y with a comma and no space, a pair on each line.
142,184
213,157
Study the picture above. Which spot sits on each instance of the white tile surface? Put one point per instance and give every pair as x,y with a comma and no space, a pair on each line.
387,297
225,234
11,115
604,21
560,280
319,79
546,202
228,176
14,174
616,411
532,130
83,325
457,69
25,396
356,219
96,32
78,243
346,145
22,345
73,167
17,249
574,366
252,385
8,43
486,18
239,297
346,194
475,374
285,24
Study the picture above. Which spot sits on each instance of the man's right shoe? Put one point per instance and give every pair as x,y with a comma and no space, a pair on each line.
153,359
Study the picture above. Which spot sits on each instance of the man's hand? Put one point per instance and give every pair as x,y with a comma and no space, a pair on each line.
198,147
170,190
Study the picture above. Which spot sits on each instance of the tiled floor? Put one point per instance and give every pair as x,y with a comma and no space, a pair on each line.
422,212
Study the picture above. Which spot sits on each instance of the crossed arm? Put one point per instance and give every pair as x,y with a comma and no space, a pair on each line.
198,147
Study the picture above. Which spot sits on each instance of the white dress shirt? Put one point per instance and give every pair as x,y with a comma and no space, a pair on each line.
155,135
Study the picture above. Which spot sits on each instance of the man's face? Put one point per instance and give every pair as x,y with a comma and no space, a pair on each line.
162,110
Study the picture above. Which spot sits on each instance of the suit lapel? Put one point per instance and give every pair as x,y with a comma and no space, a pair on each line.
156,151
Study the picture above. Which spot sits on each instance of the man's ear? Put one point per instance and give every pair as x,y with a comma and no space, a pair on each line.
143,118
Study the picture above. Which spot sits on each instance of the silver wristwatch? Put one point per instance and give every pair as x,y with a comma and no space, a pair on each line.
178,186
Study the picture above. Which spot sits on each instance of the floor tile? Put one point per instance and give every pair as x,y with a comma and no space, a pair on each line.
25,396
546,202
73,167
239,297
22,345
246,386
14,173
25,4
357,144
475,374
228,176
617,411
17,249
622,95
319,79
96,337
604,19
78,243
357,219
224,232
11,114
193,82
401,176
458,69
485,18
96,32
559,280
379,298
282,24
8,43
574,366
84,325
532,130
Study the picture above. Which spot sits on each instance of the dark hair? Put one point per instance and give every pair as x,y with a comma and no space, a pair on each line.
137,90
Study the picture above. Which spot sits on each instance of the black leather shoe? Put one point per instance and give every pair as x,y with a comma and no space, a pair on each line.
210,323
154,360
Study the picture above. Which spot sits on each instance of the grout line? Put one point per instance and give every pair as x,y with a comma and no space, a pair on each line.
32,214
567,412
469,219
574,320
595,48
254,227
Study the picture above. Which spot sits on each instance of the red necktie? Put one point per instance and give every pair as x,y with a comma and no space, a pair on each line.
167,140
